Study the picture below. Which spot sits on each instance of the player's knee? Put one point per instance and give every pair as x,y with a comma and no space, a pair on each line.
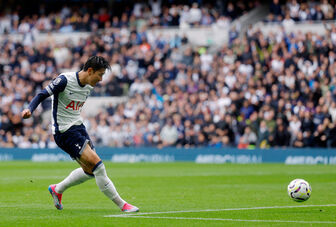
89,156
99,169
88,173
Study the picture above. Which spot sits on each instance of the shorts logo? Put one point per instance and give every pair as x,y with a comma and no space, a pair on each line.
77,145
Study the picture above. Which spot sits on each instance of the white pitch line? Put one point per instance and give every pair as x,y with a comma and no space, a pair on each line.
224,219
214,210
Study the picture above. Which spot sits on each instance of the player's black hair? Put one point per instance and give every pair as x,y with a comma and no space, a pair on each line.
96,63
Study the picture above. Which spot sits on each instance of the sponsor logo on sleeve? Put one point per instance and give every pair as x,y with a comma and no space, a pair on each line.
57,81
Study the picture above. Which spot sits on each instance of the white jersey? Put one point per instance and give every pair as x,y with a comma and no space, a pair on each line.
68,99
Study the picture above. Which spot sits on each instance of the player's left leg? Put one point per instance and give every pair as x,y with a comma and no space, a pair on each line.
91,163
76,177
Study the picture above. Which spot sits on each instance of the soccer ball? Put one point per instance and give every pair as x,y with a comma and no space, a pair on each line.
299,190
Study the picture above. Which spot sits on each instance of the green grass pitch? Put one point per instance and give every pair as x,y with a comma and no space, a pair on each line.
201,195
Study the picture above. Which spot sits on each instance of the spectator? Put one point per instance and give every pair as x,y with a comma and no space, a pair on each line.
320,137
299,141
288,21
263,134
281,136
275,8
248,139
168,134
195,14
327,10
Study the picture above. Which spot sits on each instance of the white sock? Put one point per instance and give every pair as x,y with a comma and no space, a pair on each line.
106,186
76,177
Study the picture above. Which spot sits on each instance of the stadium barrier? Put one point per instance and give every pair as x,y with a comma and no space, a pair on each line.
198,155
200,36
318,27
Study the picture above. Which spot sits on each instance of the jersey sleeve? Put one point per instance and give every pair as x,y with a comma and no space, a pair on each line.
56,86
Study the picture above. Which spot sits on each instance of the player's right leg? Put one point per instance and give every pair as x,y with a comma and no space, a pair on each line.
91,163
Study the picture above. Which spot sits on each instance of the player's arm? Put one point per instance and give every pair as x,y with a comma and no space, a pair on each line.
40,97
58,85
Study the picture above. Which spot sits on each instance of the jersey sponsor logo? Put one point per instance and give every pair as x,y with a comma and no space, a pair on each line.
75,105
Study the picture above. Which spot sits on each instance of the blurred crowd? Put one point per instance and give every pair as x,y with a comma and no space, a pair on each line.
90,16
261,90
292,11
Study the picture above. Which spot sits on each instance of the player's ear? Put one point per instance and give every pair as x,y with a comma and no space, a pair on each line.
90,71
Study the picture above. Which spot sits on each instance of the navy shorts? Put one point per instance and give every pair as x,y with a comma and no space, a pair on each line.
74,140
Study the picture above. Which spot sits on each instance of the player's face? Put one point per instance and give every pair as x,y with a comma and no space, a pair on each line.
96,76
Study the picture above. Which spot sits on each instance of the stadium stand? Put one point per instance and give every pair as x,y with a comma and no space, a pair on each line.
258,90
93,15
293,10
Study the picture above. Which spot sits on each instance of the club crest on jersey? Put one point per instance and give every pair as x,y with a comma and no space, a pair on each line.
75,105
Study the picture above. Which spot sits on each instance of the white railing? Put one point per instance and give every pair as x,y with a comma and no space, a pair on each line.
318,27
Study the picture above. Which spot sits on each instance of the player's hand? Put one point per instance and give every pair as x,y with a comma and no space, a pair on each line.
26,114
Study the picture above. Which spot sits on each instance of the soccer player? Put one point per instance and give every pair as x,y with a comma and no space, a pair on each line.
70,91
